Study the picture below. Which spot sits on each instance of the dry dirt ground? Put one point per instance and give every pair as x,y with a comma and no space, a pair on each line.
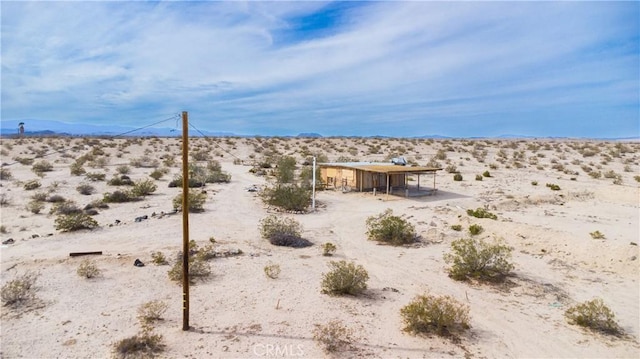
240,313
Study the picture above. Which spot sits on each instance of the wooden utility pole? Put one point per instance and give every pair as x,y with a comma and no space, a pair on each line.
185,221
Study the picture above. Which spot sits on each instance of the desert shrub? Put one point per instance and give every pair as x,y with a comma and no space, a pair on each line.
283,231
456,227
475,229
198,268
481,213
64,208
143,188
486,174
96,176
196,201
597,235
333,336
86,189
391,229
328,249
151,312
272,270
123,170
56,198
19,291
42,166
145,162
39,196
77,169
442,315
34,207
5,174
553,186
88,269
159,259
457,177
158,173
595,315
74,222
24,161
3,229
344,278
31,185
141,345
288,197
637,178
285,170
534,183
119,197
120,181
98,203
193,183
478,177
472,258
595,174
451,169
5,200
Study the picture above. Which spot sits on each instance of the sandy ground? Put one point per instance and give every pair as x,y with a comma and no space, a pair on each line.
240,313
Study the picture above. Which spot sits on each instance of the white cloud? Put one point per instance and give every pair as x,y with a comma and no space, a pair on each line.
388,64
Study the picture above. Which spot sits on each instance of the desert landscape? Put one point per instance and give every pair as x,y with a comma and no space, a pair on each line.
568,209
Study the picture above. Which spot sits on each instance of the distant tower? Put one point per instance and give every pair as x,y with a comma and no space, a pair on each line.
21,129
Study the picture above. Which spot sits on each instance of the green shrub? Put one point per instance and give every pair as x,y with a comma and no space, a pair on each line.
77,169
119,197
159,259
333,336
31,185
288,197
637,178
272,270
19,291
451,169
472,258
478,177
534,183
553,187
120,181
193,183
442,315
597,235
143,188
283,231
35,207
595,315
24,161
456,227
457,177
285,170
151,312
74,222
88,269
344,278
42,166
486,174
475,229
481,213
123,170
198,268
391,229
196,201
328,249
96,176
158,173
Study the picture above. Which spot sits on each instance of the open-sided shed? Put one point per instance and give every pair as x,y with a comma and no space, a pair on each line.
370,176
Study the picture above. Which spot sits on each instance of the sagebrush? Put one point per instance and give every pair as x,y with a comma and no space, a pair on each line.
595,315
442,315
344,278
391,229
471,258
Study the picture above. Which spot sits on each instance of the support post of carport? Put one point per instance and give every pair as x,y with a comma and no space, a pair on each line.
387,186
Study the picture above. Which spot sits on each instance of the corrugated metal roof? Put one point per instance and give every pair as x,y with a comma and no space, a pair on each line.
380,167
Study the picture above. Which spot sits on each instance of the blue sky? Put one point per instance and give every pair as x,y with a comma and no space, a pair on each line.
336,68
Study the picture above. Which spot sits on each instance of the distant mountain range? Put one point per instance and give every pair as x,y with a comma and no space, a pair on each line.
35,127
